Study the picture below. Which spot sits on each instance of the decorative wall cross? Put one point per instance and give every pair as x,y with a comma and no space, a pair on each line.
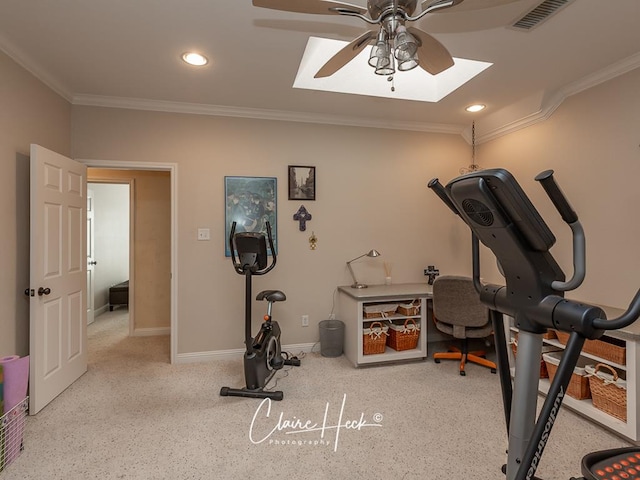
303,217
431,272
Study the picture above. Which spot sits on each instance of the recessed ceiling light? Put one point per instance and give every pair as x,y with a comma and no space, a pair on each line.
475,108
196,59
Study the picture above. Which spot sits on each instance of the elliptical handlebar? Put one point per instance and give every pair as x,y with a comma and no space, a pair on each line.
627,318
435,185
557,197
569,215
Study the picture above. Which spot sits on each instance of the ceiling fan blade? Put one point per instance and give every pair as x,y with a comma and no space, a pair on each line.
345,55
434,57
470,5
436,3
322,7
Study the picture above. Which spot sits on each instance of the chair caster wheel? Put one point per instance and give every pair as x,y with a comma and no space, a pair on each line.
493,370
437,360
462,373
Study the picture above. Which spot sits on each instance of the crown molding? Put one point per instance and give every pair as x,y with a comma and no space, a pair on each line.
22,59
554,100
509,123
260,114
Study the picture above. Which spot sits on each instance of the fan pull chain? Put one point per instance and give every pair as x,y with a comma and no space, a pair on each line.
473,143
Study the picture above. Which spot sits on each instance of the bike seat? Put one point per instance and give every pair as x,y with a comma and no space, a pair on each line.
271,296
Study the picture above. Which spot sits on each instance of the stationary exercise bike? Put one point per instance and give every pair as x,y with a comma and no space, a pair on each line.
501,216
263,356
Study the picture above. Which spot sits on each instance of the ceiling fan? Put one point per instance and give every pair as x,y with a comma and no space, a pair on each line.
395,44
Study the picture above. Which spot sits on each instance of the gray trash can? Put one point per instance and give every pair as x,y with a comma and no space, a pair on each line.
331,338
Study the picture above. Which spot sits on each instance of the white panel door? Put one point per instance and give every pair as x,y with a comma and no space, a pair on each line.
58,304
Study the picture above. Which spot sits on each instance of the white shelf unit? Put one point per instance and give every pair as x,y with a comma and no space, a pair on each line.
351,310
630,430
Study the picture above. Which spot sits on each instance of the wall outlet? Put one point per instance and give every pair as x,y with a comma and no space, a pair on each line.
332,316
305,320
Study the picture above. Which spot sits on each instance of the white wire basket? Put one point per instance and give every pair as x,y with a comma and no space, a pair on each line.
12,433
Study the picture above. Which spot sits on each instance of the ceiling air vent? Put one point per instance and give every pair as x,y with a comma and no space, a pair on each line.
539,14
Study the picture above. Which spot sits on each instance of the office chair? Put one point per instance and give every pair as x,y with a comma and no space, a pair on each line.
457,311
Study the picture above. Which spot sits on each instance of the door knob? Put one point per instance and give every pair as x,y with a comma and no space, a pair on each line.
94,262
44,291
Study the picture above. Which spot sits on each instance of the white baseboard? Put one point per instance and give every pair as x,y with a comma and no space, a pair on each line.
99,311
150,332
195,357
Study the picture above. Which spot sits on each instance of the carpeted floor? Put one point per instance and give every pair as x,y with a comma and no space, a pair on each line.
135,416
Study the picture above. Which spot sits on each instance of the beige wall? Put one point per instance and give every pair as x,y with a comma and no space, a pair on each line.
29,113
592,142
371,193
152,243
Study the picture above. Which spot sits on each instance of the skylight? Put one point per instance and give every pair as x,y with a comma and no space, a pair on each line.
358,78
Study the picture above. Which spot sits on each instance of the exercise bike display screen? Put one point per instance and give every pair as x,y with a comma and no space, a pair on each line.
252,249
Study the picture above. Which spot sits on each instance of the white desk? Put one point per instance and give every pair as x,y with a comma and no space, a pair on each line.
351,303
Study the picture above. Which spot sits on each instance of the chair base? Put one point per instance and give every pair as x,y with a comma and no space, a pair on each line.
464,357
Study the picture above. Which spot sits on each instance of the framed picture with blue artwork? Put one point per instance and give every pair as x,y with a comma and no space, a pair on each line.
250,202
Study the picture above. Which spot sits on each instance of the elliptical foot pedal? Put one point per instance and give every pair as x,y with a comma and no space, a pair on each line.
617,463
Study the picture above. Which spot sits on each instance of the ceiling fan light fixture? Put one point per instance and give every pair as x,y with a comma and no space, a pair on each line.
381,57
385,66
408,64
406,49
380,51
405,43
195,59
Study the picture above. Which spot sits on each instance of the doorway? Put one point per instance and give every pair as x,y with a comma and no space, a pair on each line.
152,258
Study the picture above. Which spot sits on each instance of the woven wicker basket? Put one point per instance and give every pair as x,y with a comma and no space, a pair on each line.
579,384
404,337
382,310
610,349
609,393
374,339
412,308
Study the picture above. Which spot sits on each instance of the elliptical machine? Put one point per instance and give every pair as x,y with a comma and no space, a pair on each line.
263,355
501,216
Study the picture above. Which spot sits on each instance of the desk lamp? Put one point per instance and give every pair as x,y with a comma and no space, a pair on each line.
372,253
